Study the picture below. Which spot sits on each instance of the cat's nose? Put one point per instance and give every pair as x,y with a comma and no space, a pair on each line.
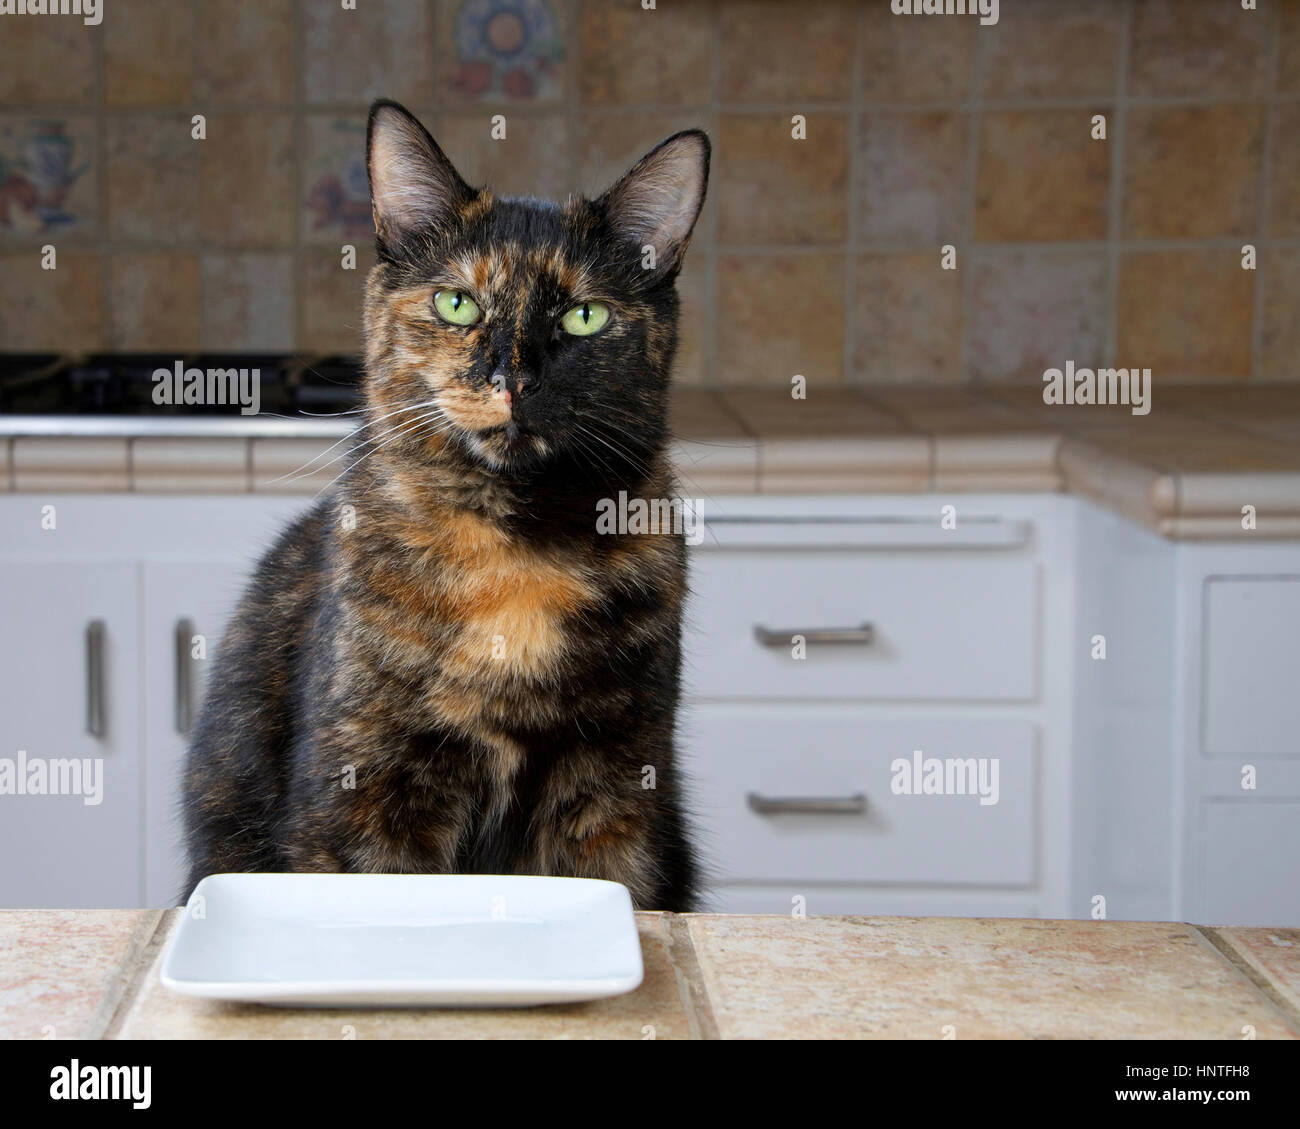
509,385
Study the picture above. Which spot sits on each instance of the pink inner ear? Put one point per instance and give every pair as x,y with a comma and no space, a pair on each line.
412,183
659,201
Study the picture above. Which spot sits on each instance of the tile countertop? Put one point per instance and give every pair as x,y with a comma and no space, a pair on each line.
94,974
1184,470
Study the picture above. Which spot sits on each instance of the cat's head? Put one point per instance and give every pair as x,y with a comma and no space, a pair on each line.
514,333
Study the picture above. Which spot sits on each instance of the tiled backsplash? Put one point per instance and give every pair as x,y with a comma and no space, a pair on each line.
819,256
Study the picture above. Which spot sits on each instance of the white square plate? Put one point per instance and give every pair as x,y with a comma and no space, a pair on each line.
393,940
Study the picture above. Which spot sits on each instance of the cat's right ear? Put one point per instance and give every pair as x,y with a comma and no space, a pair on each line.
412,183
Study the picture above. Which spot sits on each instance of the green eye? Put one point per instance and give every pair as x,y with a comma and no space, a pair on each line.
584,320
456,307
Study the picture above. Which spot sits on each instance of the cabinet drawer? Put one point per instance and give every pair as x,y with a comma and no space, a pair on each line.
941,626
744,761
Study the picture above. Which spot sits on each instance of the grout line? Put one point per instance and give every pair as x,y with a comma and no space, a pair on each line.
125,980
1115,204
691,989
849,375
1227,951
710,344
1263,203
966,237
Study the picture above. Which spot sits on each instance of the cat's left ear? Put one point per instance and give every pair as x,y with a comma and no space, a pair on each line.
657,203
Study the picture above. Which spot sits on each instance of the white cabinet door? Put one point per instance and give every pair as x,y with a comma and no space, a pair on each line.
69,728
1252,654
187,604
1249,851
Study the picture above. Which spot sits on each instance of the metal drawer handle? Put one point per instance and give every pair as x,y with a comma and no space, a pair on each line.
184,677
807,805
863,634
96,721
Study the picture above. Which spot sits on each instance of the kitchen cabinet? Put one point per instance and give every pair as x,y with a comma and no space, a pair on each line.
91,671
1161,777
72,766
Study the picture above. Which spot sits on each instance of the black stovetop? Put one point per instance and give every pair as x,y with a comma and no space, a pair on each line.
123,384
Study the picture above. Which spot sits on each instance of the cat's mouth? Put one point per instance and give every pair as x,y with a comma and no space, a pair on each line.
508,444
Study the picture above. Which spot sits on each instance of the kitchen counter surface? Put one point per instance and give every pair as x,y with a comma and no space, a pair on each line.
94,974
1185,470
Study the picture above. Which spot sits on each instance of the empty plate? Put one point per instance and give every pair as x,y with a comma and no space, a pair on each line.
452,940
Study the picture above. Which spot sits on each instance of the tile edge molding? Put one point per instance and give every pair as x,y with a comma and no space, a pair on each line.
1214,937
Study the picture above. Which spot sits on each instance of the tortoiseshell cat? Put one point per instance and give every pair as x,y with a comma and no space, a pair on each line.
444,667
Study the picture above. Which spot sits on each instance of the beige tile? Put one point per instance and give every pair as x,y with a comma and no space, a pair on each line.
913,977
1053,50
49,168
1288,32
759,298
958,410
246,49
6,465
63,972
1274,954
909,60
1279,353
335,205
1041,178
825,412
632,55
149,54
786,52
911,179
56,310
1217,452
153,178
329,301
380,48
710,450
1198,47
693,322
1186,315
154,301
248,303
48,61
907,324
508,54
654,1010
1035,310
246,180
71,464
200,466
533,159
773,189
1167,146
1284,197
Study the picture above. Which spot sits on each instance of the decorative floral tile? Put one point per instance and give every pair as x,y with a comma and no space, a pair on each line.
504,50
47,177
336,193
